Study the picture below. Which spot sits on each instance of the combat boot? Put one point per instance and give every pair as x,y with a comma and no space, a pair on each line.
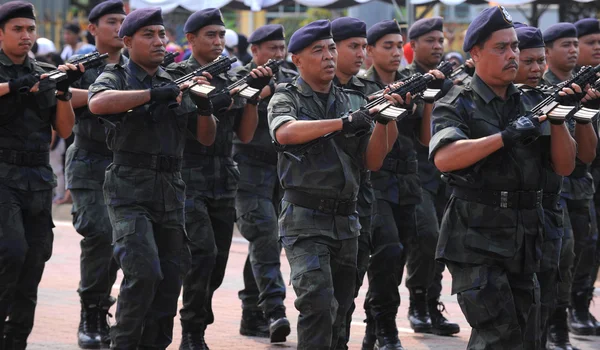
387,335
593,319
254,324
579,321
370,338
439,324
279,325
418,315
12,342
193,341
87,334
558,333
103,321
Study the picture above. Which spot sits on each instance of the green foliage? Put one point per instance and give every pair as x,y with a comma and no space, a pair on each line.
291,24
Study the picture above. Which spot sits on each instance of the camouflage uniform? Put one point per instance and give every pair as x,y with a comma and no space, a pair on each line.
398,191
211,177
320,243
491,232
86,161
257,207
25,197
145,194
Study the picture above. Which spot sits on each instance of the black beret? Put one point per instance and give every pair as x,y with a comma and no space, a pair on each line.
529,38
378,30
267,33
520,25
587,26
139,18
348,27
106,8
424,26
558,31
16,9
487,21
203,18
303,37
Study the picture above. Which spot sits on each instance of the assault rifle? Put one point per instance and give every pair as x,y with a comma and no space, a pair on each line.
169,58
243,83
90,60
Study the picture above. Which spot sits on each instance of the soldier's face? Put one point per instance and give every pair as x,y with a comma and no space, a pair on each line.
147,45
69,37
387,52
563,53
106,31
589,50
317,62
429,48
351,55
18,36
273,49
532,64
497,60
208,43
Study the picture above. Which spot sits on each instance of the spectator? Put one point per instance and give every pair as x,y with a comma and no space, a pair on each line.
242,47
231,42
71,39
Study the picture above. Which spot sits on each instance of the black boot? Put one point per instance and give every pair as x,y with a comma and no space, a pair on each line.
193,341
579,321
418,314
387,335
368,342
87,334
558,333
12,342
103,321
254,324
439,324
279,326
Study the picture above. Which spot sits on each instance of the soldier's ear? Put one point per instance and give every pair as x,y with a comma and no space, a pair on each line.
296,60
475,53
127,41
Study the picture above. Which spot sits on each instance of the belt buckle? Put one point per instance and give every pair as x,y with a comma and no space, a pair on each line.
503,199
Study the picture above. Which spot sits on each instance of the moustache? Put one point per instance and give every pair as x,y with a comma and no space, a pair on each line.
511,64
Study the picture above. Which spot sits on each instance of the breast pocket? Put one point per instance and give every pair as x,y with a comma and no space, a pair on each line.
492,231
481,126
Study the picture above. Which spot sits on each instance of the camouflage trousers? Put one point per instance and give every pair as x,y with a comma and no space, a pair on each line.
501,307
25,245
394,228
323,276
594,273
97,266
209,224
150,247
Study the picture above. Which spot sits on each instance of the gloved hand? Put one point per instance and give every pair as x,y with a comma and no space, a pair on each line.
205,106
521,132
259,83
361,123
73,75
164,93
26,81
221,101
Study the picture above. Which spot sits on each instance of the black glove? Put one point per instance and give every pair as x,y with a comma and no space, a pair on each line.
571,100
436,84
381,119
469,70
205,106
26,82
62,86
360,124
221,101
74,75
522,131
259,83
164,93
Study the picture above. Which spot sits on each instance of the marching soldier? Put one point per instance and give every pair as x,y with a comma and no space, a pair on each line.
490,233
31,108
87,160
562,51
257,202
143,187
211,177
318,224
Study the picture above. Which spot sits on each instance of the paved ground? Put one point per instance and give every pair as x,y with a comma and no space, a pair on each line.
58,310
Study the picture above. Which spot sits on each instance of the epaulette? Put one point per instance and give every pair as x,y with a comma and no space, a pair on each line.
113,67
288,71
453,94
352,91
45,66
283,86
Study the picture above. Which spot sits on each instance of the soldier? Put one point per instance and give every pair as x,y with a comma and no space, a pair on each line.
31,108
424,274
257,202
87,160
147,138
350,36
577,192
490,232
318,224
211,177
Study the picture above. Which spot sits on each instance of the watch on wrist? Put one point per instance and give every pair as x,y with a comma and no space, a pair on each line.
65,96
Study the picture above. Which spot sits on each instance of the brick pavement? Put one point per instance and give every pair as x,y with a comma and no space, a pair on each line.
57,314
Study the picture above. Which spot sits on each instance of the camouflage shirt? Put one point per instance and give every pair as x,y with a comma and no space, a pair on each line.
400,188
474,233
218,175
331,169
150,129
26,122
